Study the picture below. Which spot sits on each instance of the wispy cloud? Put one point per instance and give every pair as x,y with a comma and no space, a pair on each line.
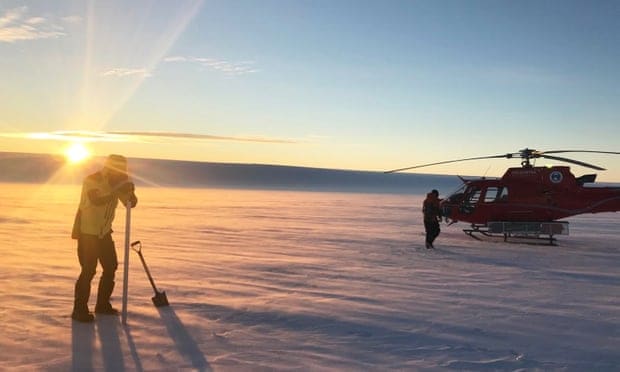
193,136
127,72
17,25
72,19
137,137
225,67
75,136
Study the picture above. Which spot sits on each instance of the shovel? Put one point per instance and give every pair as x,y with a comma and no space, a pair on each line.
160,298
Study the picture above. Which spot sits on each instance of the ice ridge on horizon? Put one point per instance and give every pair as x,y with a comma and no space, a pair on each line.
35,168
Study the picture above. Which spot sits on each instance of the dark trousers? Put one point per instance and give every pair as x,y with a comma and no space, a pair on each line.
91,250
432,230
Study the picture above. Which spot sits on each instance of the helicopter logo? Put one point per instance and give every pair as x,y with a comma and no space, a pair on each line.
556,177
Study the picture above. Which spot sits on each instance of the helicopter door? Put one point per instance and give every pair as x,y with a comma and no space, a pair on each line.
472,197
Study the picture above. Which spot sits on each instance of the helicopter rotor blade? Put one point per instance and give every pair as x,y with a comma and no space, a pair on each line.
571,161
525,154
507,156
588,151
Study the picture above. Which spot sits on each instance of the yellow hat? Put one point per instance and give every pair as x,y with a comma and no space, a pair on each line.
117,163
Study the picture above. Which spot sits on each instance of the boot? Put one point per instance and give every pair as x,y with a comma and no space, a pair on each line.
84,317
104,292
80,304
106,309
81,313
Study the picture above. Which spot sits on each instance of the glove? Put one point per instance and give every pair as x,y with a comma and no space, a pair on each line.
126,188
132,201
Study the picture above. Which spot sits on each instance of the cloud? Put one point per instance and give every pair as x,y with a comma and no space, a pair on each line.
175,59
225,67
16,25
72,19
192,136
137,137
77,136
127,72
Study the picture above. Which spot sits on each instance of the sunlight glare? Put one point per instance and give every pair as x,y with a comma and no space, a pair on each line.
76,153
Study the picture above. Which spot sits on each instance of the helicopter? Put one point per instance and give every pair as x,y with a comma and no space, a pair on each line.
527,201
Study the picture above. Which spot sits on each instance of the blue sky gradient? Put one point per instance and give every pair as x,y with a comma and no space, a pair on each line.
367,85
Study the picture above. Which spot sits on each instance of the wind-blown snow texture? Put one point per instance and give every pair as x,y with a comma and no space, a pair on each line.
264,280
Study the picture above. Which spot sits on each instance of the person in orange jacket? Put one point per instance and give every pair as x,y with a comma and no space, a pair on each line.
432,217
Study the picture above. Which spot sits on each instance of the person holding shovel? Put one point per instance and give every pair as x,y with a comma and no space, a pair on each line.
92,228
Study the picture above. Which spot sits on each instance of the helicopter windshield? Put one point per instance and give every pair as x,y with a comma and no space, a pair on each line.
457,195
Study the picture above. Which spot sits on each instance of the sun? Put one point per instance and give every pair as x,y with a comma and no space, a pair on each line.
76,153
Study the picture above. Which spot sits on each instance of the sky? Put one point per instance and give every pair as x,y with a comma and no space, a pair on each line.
364,85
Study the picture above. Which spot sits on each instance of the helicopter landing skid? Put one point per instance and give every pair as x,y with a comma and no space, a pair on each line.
537,231
478,229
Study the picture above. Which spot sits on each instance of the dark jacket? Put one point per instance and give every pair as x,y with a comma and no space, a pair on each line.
430,208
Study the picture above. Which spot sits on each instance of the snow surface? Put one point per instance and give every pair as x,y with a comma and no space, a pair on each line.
276,280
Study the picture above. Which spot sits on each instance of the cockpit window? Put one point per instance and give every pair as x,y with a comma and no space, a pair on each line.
457,196
491,195
473,197
503,193
495,194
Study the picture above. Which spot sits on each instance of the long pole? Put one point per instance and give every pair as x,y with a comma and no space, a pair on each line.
126,263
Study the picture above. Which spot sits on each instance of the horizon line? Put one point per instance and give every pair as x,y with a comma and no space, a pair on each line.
61,156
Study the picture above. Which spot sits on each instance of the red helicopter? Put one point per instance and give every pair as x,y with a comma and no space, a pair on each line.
527,202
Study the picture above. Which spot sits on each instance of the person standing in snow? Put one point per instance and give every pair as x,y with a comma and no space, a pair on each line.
92,228
432,217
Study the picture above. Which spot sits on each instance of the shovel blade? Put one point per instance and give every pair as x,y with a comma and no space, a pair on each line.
160,299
